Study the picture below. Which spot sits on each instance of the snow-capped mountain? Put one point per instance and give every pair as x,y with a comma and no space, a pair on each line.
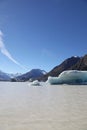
4,76
7,76
43,72
33,74
72,63
14,75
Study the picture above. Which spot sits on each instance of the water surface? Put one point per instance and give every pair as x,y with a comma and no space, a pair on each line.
59,107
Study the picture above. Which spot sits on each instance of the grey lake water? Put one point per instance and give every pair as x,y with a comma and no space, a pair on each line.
59,107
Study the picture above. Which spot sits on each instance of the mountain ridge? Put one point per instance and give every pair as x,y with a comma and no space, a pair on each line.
72,63
65,65
31,75
76,63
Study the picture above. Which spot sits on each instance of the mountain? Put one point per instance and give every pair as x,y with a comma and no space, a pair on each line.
72,63
33,74
11,75
81,64
4,76
67,64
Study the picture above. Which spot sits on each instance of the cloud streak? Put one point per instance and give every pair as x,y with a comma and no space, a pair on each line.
5,52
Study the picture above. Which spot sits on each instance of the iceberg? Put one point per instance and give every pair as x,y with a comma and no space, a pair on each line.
69,77
35,83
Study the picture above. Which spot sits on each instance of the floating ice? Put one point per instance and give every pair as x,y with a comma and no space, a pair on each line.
35,83
69,77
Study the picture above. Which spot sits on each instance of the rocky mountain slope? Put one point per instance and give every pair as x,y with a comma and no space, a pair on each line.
67,64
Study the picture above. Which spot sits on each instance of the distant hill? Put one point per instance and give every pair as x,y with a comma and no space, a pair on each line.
31,75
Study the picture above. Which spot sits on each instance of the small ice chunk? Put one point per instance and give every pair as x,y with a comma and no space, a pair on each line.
35,83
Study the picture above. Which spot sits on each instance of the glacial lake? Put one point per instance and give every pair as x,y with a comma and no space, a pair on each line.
53,107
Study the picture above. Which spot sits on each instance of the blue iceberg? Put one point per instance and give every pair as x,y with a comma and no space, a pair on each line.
69,77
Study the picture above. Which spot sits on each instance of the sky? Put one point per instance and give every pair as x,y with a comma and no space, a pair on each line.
41,33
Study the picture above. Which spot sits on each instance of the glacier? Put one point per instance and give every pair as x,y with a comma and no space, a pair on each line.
69,77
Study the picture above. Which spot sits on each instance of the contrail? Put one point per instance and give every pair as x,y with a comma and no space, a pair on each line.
5,52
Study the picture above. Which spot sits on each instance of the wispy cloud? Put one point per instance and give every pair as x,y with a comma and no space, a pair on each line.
5,52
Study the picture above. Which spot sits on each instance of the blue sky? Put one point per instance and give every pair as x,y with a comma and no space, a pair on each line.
41,33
